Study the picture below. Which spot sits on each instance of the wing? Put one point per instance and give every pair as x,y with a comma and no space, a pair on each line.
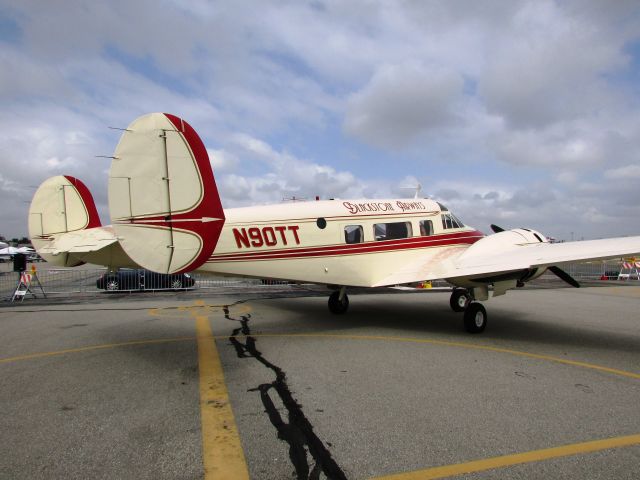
497,254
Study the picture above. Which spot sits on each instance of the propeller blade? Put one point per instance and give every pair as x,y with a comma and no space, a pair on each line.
496,228
564,276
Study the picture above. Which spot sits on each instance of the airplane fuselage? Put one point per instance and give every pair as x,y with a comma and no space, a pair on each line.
335,241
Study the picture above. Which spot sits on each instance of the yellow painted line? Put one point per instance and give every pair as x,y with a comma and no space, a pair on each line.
574,363
199,308
93,347
629,292
223,456
515,459
222,452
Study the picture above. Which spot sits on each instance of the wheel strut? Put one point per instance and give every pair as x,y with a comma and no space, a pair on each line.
339,301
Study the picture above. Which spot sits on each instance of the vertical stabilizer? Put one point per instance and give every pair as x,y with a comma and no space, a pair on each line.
61,204
163,199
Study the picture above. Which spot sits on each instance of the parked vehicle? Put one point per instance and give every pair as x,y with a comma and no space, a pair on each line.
271,281
127,279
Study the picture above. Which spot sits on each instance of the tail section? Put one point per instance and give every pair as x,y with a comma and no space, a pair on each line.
163,200
61,204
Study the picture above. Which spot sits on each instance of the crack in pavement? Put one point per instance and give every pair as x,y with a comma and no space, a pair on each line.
298,433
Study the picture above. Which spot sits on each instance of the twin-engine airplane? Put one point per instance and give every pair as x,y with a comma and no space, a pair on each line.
167,217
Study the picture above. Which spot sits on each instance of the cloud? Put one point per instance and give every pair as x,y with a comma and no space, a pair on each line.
523,112
9,186
29,77
550,67
629,172
591,210
448,194
285,176
401,102
222,161
491,196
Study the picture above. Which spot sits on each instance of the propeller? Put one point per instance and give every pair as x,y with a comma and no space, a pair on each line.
565,276
557,271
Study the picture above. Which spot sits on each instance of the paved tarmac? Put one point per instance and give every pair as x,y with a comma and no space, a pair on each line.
136,387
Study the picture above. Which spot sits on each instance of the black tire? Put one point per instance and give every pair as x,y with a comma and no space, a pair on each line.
459,300
176,284
475,318
111,284
336,306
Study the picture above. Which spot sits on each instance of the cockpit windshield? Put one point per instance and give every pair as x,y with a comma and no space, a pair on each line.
449,220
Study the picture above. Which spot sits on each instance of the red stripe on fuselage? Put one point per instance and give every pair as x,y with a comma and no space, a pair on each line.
444,240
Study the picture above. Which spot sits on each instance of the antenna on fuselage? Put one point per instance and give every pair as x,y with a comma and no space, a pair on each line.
294,199
417,188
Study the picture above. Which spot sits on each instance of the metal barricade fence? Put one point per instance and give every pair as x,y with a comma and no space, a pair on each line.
63,281
598,270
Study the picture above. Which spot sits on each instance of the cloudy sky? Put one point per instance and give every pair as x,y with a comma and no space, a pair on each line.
520,113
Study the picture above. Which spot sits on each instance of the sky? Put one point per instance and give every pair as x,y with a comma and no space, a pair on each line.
518,113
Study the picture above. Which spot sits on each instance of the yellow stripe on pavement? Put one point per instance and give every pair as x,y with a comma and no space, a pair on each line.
31,356
550,358
222,452
445,343
515,459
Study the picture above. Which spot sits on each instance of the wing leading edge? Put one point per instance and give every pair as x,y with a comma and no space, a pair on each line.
455,263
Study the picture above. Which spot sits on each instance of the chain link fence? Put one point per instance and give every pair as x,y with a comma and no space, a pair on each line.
64,281
86,280
602,270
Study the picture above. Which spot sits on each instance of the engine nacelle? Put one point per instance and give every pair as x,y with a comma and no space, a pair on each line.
502,242
505,241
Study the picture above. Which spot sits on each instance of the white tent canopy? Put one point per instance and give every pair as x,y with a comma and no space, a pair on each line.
15,250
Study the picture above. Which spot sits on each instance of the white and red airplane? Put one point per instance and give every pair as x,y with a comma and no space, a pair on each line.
167,217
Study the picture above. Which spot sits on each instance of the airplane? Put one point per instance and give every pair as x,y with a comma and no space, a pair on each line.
167,217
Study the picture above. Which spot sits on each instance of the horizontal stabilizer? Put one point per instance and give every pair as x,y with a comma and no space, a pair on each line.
82,241
94,245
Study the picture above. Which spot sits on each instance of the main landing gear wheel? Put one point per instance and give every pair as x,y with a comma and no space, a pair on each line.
459,300
475,318
336,306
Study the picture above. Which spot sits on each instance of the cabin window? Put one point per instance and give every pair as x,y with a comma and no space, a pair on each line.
321,223
353,234
426,228
391,231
